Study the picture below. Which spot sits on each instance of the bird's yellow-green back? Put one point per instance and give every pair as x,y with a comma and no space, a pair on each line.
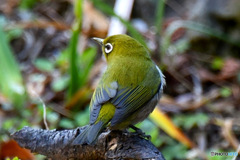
129,62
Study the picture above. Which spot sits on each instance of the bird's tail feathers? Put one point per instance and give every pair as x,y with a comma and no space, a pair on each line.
89,134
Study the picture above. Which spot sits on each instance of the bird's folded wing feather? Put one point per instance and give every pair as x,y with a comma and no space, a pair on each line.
100,96
126,99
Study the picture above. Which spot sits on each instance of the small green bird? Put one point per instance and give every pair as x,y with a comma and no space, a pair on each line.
128,90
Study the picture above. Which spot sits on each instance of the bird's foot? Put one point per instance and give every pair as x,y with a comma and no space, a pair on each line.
140,133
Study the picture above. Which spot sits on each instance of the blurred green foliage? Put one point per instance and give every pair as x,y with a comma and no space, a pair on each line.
44,64
159,16
27,4
188,121
11,80
60,83
225,92
79,119
217,63
14,124
72,49
82,118
66,123
84,63
174,150
15,158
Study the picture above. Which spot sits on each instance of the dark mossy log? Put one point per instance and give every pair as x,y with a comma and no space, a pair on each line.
57,144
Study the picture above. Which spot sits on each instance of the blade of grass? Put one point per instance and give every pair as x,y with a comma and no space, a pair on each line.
11,81
76,30
85,64
159,16
158,26
74,79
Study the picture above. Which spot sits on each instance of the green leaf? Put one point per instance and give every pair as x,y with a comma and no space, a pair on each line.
217,63
225,92
198,119
52,117
15,158
44,65
60,83
78,9
14,124
74,84
27,4
66,123
11,81
176,151
159,15
82,118
14,33
74,78
188,121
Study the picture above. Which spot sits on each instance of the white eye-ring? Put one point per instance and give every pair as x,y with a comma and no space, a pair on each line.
108,47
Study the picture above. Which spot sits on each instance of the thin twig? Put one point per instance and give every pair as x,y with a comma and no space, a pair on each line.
44,109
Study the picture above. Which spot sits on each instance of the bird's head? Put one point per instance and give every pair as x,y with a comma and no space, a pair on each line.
121,46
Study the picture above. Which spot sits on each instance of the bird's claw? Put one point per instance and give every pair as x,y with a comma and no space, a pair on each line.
140,133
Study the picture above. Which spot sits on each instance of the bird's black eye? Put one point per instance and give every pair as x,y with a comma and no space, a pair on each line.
108,47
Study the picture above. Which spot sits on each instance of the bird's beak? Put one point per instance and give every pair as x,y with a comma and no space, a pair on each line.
99,40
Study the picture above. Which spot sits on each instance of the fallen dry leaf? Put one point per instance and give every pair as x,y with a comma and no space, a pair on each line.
11,149
230,69
165,123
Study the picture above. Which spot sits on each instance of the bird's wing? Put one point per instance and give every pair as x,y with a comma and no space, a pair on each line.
128,100
100,96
